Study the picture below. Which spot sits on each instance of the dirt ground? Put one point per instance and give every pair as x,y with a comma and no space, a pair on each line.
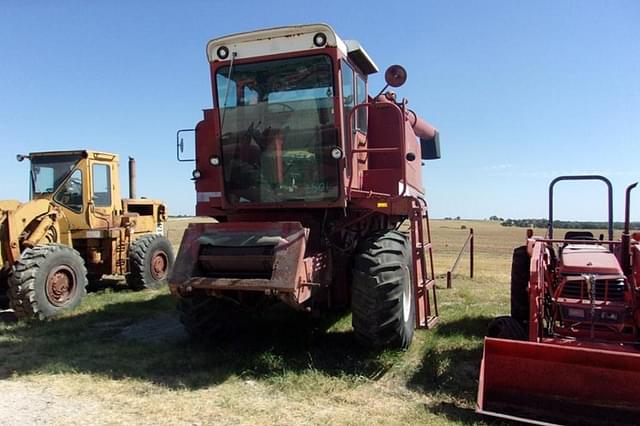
29,403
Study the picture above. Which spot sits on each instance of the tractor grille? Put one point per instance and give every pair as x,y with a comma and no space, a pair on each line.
606,290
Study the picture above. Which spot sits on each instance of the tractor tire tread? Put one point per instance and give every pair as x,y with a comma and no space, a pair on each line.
139,278
22,279
519,286
377,290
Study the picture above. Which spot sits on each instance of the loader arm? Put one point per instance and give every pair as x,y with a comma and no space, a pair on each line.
25,224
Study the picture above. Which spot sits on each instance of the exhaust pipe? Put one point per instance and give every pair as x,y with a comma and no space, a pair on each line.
626,236
132,177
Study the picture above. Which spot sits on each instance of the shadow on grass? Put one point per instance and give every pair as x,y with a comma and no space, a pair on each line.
100,342
474,327
113,283
452,371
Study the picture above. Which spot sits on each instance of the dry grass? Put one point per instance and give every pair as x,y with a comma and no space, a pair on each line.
122,358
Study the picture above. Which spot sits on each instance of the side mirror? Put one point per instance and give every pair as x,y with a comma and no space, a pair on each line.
395,75
180,144
430,148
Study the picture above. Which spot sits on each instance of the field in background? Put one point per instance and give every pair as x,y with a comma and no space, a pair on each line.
123,357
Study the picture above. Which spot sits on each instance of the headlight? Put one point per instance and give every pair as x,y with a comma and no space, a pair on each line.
320,39
214,161
222,52
196,174
336,153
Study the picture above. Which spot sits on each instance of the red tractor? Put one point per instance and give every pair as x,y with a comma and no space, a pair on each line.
309,178
569,352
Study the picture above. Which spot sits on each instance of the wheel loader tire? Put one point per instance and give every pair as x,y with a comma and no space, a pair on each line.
206,318
383,300
520,286
150,260
46,281
4,289
506,328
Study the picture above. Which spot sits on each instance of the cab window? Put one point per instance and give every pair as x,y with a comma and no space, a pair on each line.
70,193
348,93
361,98
102,185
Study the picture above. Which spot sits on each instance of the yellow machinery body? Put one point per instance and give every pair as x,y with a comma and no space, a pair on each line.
75,201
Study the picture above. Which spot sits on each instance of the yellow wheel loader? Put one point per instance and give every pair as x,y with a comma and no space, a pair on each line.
75,229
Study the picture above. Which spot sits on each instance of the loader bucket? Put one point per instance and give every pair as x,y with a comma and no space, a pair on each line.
545,383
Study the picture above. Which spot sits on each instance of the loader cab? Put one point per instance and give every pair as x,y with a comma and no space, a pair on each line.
82,183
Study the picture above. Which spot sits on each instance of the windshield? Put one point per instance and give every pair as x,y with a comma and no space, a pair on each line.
278,129
47,173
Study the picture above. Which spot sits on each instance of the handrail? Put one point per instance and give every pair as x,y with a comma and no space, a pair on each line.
353,150
583,177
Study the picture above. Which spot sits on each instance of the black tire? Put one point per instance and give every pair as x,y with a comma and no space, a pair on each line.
4,289
383,300
506,328
207,318
520,286
150,262
46,281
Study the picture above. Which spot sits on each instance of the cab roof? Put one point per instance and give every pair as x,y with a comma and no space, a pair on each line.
95,155
294,38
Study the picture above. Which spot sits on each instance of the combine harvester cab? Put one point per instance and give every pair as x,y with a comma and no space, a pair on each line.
569,352
310,179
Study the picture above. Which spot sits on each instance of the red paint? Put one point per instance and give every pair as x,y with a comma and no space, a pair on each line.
379,187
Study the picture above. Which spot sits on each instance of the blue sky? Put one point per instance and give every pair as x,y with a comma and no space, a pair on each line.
521,91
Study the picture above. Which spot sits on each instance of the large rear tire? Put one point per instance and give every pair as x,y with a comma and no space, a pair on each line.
207,318
506,328
520,286
46,281
383,299
150,260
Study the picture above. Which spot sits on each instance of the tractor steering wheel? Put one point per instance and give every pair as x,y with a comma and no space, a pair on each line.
280,108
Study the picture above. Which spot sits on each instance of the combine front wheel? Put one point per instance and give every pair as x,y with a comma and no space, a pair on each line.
206,318
383,300
150,259
46,281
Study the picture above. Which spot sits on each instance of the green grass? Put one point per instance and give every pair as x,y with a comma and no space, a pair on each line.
284,368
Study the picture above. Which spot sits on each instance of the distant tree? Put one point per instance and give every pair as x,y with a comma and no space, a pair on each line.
457,217
566,224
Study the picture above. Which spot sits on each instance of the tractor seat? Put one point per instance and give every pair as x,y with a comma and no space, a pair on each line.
579,235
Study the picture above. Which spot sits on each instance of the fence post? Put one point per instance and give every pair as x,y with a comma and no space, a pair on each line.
468,242
471,253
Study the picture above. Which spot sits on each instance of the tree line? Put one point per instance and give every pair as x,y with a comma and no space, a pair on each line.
543,223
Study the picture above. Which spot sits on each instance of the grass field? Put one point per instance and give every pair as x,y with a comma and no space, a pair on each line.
122,357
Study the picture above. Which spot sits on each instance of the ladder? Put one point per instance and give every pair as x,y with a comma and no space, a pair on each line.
424,276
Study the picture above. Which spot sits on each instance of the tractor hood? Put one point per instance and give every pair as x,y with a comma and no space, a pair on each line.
589,259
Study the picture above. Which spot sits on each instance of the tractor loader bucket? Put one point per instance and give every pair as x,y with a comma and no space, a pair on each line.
543,383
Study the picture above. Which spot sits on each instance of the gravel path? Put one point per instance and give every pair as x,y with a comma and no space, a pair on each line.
27,403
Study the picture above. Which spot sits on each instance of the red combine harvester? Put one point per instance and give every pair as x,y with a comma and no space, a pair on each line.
309,178
569,352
